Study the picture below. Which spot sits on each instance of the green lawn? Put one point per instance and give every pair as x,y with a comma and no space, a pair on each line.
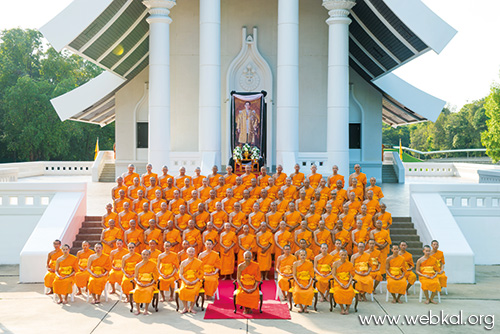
406,156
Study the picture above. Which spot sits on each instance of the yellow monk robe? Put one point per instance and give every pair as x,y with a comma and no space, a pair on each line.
247,179
307,236
397,267
138,206
198,181
256,220
214,236
283,206
204,193
156,235
333,181
136,236
118,204
285,238
132,191
314,180
125,219
228,204
264,259
238,192
410,275
147,273
227,258
386,219
66,267
192,271
154,255
128,179
372,207
360,236
345,237
182,221
325,268
286,267
210,263
219,218
344,272
341,195
275,219
280,180
377,192
331,220
313,221
298,179
367,221
364,283
186,193
265,204
99,266
167,266
264,181
145,217
128,267
163,218
151,192
193,205
382,237
255,192
202,219
82,276
112,215
221,191
348,220
247,242
193,237
430,267
336,256
116,191
272,192
337,205
301,296
116,276
231,180
247,206
239,219
168,193
210,204
146,178
443,279
50,276
293,218
214,180
324,237
172,237
325,194
163,180
175,205
179,181
249,276
303,206
110,235
320,206
309,255
361,180
156,205
376,259
289,192
310,193
355,206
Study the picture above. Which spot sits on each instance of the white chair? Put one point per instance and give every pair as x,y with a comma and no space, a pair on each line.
72,295
106,287
422,294
216,294
387,296
278,291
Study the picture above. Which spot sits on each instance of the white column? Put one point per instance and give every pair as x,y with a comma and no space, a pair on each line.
287,106
159,81
338,83
210,85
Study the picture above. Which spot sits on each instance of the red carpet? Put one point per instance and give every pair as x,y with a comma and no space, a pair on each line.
224,307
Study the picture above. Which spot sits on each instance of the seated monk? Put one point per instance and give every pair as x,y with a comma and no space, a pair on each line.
256,218
279,177
354,205
173,236
248,278
66,267
357,191
124,218
108,215
219,217
182,218
156,203
227,243
211,201
186,191
377,191
213,179
98,267
302,233
145,277
343,291
314,178
246,243
282,203
360,234
51,266
201,217
175,203
263,179
265,245
360,178
211,266
116,273
340,233
146,177
230,177
322,236
237,218
120,201
304,246
191,275
193,203
168,269
168,191
179,179
162,179
293,218
193,236
439,256
348,218
302,204
138,203
323,269
372,205
282,237
375,264
366,218
254,189
248,176
129,261
337,247
198,178
382,242
119,186
272,189
247,202
221,187
308,190
238,188
183,255
135,235
284,269
410,275
229,202
153,233
154,251
361,261
212,235
82,275
395,269
303,278
384,216
312,218
297,177
133,190
341,192
128,178
204,190
332,179
145,216
329,217
151,190
428,270
324,196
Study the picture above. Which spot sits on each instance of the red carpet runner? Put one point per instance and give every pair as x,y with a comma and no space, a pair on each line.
224,307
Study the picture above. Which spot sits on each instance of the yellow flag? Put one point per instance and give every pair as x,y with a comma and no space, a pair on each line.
96,148
400,150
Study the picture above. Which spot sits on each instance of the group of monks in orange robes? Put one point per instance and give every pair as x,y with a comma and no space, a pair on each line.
167,216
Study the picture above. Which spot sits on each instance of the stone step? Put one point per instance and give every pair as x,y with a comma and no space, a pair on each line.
401,219
402,225
91,224
93,236
89,230
399,231
93,218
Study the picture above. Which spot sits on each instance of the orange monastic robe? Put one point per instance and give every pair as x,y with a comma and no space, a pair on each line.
345,237
175,205
298,179
325,268
172,237
283,206
163,218
202,219
67,267
179,181
193,237
219,218
116,276
238,192
275,219
111,235
249,276
286,267
168,193
192,270
344,272
282,239
211,262
333,180
231,180
364,283
247,179
112,215
360,236
314,180
280,180
306,235
264,181
99,266
324,237
372,207
313,221
198,181
156,205
125,219
397,267
128,268
228,204
443,279
376,259
204,193
227,258
331,220
147,273
248,241
82,276
304,273
168,264
264,259
382,237
430,267
386,219
256,220
272,192
213,181
182,221
247,206
133,191
303,206
410,275
289,192
50,276
128,179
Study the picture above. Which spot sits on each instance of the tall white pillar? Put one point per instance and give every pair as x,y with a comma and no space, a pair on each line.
287,106
210,85
338,83
159,81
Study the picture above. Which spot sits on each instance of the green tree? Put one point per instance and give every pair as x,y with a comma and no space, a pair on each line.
491,137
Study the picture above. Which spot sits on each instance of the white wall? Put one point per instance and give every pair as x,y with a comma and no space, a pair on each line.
16,231
483,234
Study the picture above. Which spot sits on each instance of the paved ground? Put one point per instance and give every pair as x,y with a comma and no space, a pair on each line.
25,309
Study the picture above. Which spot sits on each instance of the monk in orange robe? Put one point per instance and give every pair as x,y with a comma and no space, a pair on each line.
323,269
322,236
289,190
135,235
341,192
382,242
279,177
373,206
343,291
154,251
221,188
146,177
65,269
175,204
254,189
211,266
213,179
256,218
116,273
329,217
284,269
312,218
182,218
263,179
265,245
168,191
336,250
193,236
120,202
238,188
115,192
186,191
360,234
282,237
179,179
376,260
377,191
410,276
129,261
204,190
361,261
302,204
336,202
108,215
201,217
98,267
247,202
197,178
51,266
282,202
324,195
384,216
219,217
151,190
193,203
246,243
396,269
357,191
303,278
272,190
293,218
144,217
366,218
264,201
145,277
302,233
163,179
360,178
128,178
191,275
348,218
109,236
332,179
439,256
153,233
168,269
273,218
82,276
314,178
125,217
308,189
173,236
133,190
227,243
229,201
428,269
212,235
248,278
155,204
237,218
343,235
138,204
297,177
303,245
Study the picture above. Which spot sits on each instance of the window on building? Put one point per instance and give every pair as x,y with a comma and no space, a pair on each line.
355,135
142,135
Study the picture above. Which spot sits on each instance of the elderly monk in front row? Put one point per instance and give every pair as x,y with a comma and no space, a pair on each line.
145,278
66,267
191,275
428,270
303,277
343,291
248,278
284,268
